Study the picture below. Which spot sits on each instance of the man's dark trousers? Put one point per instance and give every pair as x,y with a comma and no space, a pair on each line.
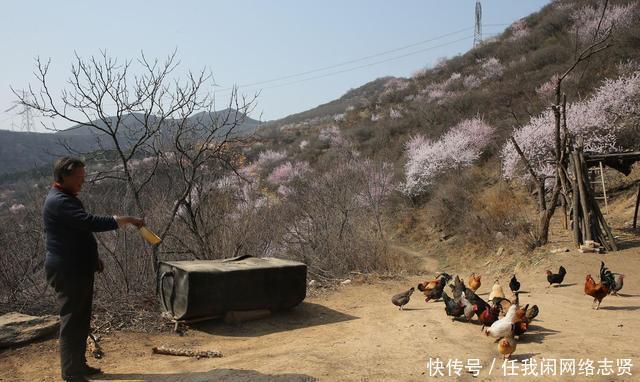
74,292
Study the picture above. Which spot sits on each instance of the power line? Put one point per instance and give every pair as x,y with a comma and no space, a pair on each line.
357,67
370,64
350,61
354,60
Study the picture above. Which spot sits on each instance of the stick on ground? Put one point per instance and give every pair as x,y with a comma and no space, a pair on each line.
186,352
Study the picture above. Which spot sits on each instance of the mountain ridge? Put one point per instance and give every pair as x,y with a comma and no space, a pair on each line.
22,151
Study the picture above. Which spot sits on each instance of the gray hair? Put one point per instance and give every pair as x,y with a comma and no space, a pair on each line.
64,167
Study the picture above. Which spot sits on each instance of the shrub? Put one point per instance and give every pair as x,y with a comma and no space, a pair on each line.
478,213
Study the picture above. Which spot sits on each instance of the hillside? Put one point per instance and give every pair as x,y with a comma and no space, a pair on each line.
360,97
506,76
23,151
20,151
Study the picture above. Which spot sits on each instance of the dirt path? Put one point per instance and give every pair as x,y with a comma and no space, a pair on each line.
356,334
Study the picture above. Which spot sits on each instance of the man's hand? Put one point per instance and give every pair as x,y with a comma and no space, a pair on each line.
122,220
99,266
138,222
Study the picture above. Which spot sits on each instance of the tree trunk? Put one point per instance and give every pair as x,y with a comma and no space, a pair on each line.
542,202
545,219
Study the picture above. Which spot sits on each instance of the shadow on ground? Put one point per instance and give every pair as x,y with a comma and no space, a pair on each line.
523,357
536,334
234,375
629,238
303,316
627,295
564,285
629,308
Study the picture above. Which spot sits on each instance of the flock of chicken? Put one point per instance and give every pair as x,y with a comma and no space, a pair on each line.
465,303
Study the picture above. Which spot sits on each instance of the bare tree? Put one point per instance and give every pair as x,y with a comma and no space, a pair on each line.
153,114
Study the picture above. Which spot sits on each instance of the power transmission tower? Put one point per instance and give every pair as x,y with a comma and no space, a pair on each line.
477,32
26,113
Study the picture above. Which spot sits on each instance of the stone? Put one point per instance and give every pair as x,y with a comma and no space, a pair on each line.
588,249
345,282
17,328
591,244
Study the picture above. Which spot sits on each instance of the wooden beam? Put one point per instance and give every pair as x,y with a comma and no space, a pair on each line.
635,213
577,234
583,196
609,241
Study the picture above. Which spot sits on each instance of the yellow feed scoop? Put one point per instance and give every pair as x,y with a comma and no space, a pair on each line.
149,236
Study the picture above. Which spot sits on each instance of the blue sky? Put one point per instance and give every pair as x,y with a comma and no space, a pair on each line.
244,42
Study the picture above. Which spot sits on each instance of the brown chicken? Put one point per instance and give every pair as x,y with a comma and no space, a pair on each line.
520,321
474,282
506,347
597,291
600,290
521,314
487,316
427,285
519,328
435,293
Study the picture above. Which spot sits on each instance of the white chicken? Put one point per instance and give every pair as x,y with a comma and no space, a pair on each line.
504,326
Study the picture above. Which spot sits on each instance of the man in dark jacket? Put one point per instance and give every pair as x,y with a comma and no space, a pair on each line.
71,260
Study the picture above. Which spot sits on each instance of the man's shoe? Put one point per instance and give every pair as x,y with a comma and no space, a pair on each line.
75,378
90,370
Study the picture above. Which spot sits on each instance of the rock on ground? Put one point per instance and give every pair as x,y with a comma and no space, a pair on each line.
17,328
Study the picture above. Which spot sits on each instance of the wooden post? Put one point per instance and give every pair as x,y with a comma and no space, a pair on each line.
583,196
564,199
609,235
564,211
608,241
604,188
577,235
635,213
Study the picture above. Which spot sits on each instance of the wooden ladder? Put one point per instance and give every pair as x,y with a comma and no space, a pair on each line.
596,177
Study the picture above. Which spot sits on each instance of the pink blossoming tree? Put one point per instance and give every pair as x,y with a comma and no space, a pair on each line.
600,120
332,135
288,171
519,30
491,68
590,27
459,147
